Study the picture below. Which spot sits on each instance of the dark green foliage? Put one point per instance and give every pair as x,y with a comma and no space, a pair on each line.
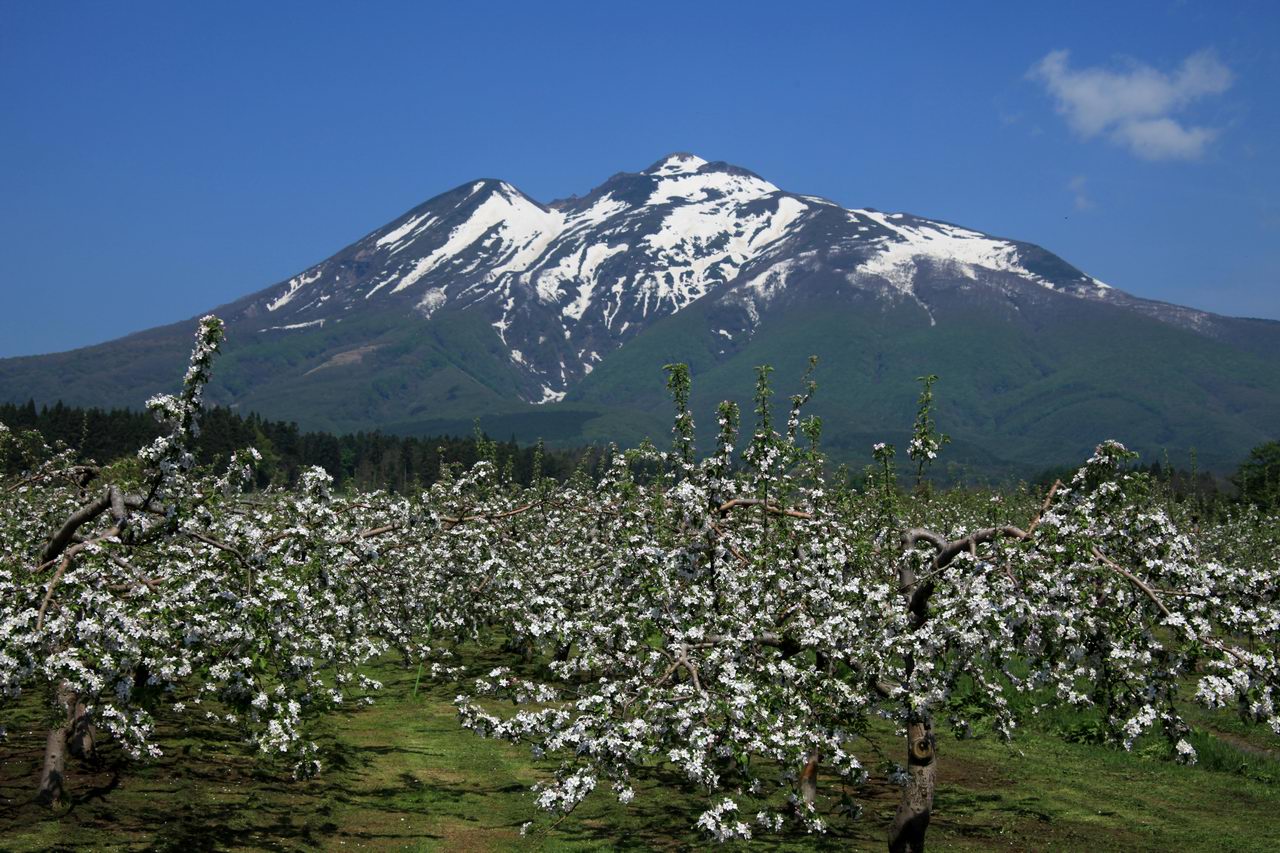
363,460
1258,477
1023,389
1029,384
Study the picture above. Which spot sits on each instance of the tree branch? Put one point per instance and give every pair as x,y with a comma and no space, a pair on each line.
82,516
769,506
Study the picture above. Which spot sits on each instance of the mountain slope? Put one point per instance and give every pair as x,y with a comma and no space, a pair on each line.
1027,382
554,319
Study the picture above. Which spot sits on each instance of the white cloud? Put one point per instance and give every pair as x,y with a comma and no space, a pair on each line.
1133,107
1165,139
1077,187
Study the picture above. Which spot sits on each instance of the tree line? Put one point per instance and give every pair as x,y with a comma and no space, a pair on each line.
362,461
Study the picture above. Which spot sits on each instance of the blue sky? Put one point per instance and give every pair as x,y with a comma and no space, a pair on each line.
157,160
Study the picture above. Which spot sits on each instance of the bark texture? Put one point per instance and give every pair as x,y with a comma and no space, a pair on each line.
912,819
55,763
76,737
81,736
809,779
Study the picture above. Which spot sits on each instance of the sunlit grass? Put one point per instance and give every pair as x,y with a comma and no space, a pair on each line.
402,774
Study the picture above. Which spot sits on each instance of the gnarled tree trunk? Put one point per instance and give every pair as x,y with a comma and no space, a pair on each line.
912,819
55,762
77,736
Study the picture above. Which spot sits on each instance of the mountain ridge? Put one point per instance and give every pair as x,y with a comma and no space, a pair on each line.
484,301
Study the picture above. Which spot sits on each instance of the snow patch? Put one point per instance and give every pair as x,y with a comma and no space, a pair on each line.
896,260
579,267
294,285
679,164
707,185
702,243
549,396
604,207
400,233
293,326
768,284
524,228
432,301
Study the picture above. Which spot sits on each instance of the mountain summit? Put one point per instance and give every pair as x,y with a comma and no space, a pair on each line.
484,301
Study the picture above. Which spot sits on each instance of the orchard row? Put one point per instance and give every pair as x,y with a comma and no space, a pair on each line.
740,618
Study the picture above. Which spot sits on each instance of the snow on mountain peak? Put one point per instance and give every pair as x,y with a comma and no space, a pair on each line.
680,163
731,187
561,284
518,230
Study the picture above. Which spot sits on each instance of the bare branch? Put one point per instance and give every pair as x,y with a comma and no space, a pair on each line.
453,522
82,516
48,593
1133,579
1044,507
1155,599
769,506
214,543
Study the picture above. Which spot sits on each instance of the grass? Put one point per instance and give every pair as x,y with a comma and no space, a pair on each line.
402,774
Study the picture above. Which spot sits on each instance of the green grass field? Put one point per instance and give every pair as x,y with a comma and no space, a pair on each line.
401,774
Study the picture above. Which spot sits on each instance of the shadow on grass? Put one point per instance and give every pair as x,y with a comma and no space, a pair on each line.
402,773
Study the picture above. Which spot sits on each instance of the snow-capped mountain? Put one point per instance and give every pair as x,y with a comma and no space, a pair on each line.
556,319
566,283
